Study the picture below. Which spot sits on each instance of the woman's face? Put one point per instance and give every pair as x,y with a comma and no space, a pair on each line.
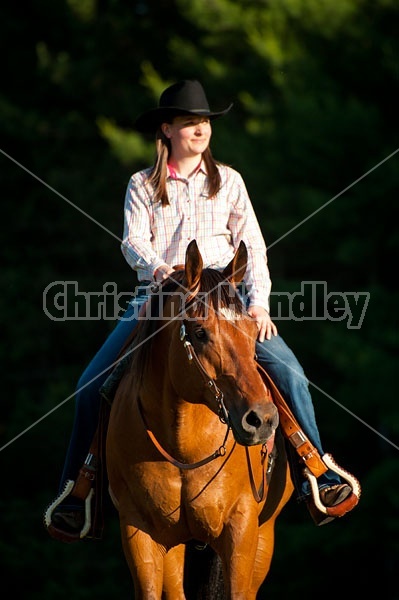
189,135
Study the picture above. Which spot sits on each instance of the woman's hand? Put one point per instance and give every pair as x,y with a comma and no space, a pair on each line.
266,327
162,273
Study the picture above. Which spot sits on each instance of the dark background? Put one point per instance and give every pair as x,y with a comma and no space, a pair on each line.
315,91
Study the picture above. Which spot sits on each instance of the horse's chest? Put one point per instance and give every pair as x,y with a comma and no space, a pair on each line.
185,501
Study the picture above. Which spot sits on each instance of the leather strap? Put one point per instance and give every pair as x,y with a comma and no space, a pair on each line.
221,451
267,449
292,431
89,485
87,473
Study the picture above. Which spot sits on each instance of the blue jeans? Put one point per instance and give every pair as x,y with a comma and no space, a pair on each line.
273,355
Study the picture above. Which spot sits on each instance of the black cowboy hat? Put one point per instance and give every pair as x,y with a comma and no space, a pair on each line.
183,97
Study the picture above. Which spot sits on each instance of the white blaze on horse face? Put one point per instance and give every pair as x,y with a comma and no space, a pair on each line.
230,314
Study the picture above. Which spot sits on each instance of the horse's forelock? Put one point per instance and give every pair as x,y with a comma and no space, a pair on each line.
216,292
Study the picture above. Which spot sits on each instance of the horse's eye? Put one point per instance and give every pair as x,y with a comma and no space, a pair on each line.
200,333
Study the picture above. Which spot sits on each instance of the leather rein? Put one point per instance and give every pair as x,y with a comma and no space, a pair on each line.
223,415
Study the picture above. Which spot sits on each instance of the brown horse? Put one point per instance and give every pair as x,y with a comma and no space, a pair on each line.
192,447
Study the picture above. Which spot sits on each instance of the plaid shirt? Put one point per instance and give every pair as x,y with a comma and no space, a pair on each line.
155,234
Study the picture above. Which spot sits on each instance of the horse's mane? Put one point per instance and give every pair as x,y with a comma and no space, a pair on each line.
214,292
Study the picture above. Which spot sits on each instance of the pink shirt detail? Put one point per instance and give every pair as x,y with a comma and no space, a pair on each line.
174,174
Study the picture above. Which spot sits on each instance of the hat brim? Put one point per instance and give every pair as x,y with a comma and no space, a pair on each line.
151,120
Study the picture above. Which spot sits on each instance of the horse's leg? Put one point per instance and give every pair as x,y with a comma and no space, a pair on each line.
264,555
238,552
145,561
173,576
280,491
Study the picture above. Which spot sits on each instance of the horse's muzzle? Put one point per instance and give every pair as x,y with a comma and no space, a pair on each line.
256,425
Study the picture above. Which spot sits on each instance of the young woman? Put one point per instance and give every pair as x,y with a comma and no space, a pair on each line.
187,195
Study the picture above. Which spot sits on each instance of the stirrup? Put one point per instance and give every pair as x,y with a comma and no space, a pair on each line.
58,533
346,505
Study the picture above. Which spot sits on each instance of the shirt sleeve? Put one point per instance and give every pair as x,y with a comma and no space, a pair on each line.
136,244
244,225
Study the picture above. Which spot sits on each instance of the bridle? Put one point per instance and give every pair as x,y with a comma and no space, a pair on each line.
222,411
224,417
209,382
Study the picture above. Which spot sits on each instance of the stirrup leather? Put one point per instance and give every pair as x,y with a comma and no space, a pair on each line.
314,464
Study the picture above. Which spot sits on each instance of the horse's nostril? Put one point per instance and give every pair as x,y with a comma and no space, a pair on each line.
253,420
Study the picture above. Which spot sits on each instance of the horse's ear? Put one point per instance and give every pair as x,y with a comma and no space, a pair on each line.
236,268
193,267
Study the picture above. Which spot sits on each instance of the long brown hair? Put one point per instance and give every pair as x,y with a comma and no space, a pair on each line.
160,170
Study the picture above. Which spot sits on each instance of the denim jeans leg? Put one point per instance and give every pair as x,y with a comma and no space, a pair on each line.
87,395
281,364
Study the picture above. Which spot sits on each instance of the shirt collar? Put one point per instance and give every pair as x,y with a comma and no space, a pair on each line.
173,174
